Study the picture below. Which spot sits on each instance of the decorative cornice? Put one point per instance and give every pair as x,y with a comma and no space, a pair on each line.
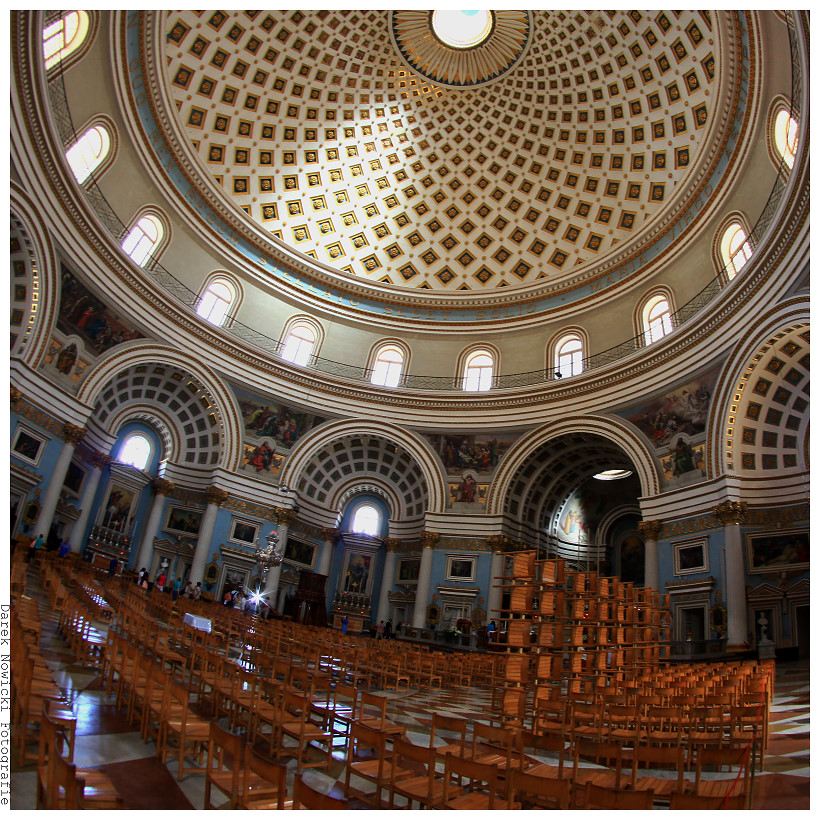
650,530
99,461
499,543
731,512
393,545
16,395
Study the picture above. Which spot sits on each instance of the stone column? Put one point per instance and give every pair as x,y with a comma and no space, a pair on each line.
329,538
428,543
98,462
731,514
392,546
650,530
162,489
71,435
215,498
497,544
284,516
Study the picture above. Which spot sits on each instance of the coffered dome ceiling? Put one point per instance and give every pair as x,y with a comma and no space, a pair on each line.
601,131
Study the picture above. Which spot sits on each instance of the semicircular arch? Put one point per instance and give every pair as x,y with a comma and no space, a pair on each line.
150,353
609,427
325,434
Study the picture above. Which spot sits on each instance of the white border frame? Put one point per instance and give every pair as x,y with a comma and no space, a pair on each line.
256,527
43,441
688,544
451,559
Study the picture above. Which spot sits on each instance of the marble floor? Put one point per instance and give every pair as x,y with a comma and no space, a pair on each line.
105,739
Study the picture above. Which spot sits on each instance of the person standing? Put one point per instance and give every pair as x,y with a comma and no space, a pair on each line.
380,630
344,625
177,588
112,567
388,629
197,591
65,547
36,544
161,582
141,575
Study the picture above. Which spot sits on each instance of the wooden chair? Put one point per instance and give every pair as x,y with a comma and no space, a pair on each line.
305,796
661,757
244,699
264,783
689,802
295,723
446,723
99,791
181,732
555,744
413,775
479,792
267,713
739,762
600,797
371,711
345,702
62,789
225,765
498,746
367,760
531,791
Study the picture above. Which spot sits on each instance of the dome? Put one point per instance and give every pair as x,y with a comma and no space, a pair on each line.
328,132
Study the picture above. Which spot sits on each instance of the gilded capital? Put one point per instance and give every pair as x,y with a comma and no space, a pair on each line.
284,515
16,395
650,530
430,539
161,486
213,495
330,534
392,544
731,512
72,434
100,460
498,543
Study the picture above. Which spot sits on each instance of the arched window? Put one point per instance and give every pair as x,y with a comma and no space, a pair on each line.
735,249
136,450
478,371
366,520
657,319
86,155
144,238
63,37
216,302
569,356
387,367
299,343
785,136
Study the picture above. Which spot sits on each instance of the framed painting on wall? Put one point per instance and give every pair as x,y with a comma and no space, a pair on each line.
778,550
244,532
356,573
298,552
407,571
74,477
183,520
460,568
691,556
27,445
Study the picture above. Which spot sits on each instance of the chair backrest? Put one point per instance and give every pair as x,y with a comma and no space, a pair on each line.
449,724
548,792
662,757
305,796
364,741
63,789
273,774
479,776
611,753
598,797
503,740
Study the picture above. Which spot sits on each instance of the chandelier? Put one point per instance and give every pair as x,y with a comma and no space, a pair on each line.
268,554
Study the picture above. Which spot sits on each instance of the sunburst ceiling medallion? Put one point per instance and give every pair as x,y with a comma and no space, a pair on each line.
461,49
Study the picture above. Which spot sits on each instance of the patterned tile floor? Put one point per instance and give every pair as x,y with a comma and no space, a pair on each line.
105,739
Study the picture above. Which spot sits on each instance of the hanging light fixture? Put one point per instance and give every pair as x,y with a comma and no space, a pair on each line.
268,555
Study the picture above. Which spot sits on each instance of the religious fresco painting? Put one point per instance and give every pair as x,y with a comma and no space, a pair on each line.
271,431
582,513
684,459
67,357
681,411
85,315
479,453
468,490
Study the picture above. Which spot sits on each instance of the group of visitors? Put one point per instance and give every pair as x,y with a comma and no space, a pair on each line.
192,591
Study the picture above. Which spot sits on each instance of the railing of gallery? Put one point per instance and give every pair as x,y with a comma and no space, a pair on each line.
256,339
